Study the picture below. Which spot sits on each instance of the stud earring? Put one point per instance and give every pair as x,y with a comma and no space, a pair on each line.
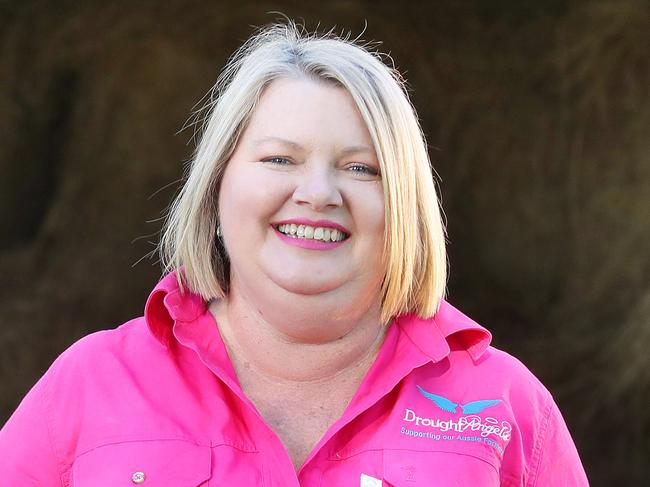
219,234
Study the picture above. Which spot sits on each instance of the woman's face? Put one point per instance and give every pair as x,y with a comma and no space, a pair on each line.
301,204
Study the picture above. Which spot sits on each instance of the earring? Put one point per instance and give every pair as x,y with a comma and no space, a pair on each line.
219,234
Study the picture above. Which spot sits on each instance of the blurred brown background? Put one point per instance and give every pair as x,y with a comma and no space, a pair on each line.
537,115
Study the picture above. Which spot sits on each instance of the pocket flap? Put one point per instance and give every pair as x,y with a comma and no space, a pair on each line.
408,468
149,463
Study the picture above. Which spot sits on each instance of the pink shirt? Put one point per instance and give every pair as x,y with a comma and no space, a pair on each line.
156,402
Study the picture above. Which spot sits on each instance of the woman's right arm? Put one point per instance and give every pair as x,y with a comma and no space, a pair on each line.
27,455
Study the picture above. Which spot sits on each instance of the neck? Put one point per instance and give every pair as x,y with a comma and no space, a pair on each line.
275,352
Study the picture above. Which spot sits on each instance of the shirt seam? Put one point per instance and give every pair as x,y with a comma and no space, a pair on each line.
538,452
483,458
489,459
430,358
49,428
203,444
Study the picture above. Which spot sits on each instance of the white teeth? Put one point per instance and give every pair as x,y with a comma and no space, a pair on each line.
313,233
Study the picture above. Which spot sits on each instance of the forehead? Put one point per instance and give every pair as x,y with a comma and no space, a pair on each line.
308,112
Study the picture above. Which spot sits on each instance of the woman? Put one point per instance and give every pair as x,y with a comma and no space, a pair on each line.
300,336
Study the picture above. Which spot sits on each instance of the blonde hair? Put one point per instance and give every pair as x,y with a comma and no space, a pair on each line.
414,243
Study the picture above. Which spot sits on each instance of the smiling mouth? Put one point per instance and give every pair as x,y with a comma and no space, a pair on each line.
306,232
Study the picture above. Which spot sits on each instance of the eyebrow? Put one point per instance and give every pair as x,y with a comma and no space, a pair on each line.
353,149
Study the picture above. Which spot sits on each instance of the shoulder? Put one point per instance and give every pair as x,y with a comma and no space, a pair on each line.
500,375
127,338
508,371
105,353
526,406
541,450
464,363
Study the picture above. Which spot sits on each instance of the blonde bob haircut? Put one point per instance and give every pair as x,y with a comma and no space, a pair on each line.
414,236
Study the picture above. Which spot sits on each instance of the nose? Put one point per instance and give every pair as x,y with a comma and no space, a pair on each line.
317,188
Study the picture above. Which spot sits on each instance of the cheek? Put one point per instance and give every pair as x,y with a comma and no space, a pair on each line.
374,214
249,197
370,219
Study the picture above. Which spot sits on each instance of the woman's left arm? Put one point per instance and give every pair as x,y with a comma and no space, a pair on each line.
27,457
557,462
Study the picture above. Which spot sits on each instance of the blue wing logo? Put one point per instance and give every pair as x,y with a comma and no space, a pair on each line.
478,406
445,404
442,402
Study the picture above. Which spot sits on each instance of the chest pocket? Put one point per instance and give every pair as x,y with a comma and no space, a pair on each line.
408,468
149,463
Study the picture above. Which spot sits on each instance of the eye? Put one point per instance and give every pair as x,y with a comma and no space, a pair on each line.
278,160
362,169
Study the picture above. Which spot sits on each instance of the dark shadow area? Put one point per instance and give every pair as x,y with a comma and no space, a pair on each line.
31,179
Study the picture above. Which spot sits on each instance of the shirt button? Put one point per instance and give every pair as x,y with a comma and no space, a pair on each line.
138,477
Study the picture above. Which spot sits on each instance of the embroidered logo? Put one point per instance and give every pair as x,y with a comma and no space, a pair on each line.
445,404
467,426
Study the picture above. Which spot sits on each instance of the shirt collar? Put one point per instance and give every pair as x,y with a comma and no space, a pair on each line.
167,304
433,335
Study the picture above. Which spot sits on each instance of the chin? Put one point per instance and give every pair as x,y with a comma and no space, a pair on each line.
307,286
304,278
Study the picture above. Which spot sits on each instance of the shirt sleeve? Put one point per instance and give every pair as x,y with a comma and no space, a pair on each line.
557,460
27,457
